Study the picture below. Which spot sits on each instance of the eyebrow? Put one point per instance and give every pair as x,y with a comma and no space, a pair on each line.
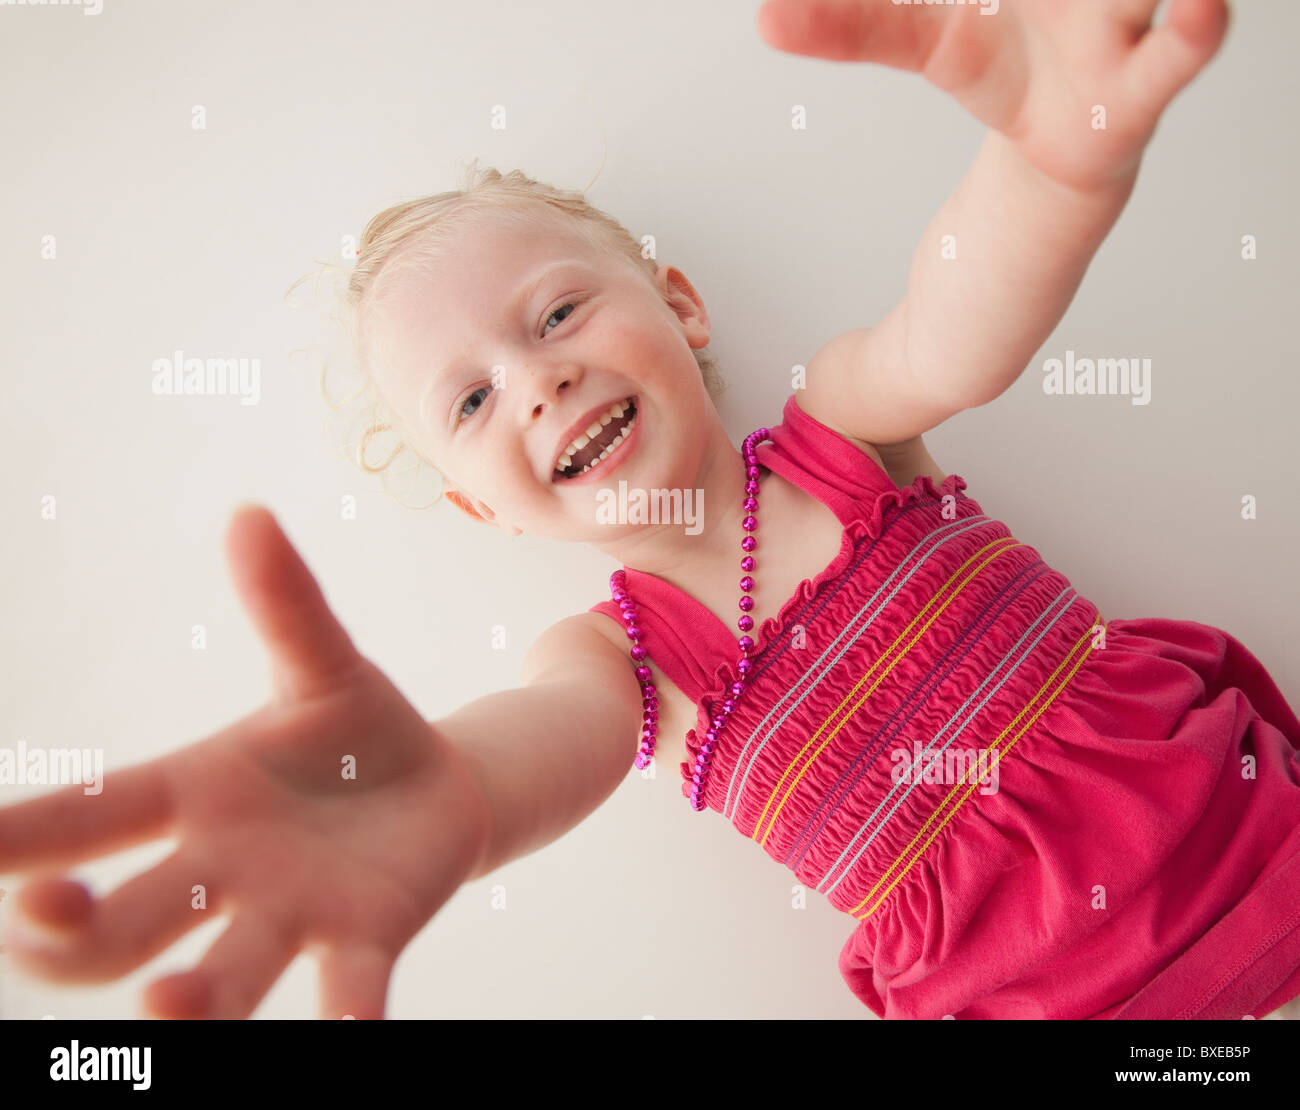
521,298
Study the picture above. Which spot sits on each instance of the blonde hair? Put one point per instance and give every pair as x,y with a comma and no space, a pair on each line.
414,233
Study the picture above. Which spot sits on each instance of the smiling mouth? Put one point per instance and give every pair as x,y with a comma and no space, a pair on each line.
599,447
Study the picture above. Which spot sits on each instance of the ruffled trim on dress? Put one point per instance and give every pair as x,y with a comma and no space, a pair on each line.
858,529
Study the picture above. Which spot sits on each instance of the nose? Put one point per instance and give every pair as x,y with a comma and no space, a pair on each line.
544,387
540,407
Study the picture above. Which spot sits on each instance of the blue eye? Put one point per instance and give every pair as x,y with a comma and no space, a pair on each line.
462,413
554,314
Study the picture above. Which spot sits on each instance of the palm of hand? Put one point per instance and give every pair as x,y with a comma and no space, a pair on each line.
1046,73
331,820
317,832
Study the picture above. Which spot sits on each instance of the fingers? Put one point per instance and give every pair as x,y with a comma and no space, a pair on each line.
1134,13
62,934
308,646
354,982
234,976
69,825
851,30
1170,55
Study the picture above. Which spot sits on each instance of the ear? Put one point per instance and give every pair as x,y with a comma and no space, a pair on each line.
681,297
462,504
476,510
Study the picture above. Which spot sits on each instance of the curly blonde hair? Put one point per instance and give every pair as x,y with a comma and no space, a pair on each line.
413,234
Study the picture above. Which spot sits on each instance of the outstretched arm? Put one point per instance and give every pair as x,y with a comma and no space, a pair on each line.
335,820
1072,94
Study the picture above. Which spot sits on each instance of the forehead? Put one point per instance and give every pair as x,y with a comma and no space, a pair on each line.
435,308
483,259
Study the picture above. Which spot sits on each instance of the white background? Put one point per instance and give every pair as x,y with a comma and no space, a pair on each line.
321,114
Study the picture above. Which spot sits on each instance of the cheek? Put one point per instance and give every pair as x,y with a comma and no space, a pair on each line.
637,343
506,472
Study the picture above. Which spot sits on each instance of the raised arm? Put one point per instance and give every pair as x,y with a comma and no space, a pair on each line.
1072,94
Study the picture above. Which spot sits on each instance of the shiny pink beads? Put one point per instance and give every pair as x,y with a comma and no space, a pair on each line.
697,773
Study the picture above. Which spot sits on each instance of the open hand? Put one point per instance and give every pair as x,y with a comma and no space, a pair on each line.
1035,70
300,856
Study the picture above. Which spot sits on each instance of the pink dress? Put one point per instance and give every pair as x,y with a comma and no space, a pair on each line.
1030,811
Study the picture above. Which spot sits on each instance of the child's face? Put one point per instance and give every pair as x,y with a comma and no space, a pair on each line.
441,334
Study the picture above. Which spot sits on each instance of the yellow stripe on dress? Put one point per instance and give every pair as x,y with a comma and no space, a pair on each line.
1005,543
980,762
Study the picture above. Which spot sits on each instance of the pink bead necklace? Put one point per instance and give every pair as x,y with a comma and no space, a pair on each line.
650,704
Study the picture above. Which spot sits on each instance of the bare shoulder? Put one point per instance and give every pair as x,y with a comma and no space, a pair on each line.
903,462
864,382
589,643
813,403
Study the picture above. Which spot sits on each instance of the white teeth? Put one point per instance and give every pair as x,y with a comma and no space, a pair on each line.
617,409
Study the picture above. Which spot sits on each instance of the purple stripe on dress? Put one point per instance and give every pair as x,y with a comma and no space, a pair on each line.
1070,595
767,658
930,545
988,614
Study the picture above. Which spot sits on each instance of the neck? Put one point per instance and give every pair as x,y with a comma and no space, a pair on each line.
667,551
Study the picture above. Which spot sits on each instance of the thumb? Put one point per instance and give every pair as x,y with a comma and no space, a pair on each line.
1171,54
308,646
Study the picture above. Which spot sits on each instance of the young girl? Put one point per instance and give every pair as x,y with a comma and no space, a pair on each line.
1032,810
